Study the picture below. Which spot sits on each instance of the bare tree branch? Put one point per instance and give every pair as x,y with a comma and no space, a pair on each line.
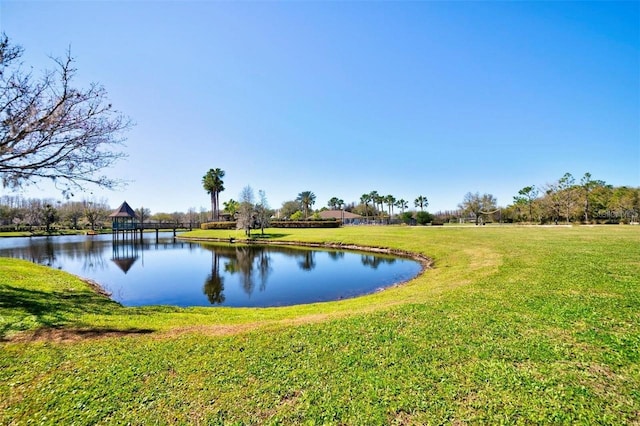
51,130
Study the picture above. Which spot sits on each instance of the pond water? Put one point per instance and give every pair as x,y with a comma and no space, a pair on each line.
180,273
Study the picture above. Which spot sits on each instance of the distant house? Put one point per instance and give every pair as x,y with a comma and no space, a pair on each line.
347,218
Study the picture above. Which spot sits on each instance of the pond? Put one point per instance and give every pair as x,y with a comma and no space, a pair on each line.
180,273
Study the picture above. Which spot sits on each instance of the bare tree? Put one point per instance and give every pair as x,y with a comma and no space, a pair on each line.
478,204
245,214
34,209
144,214
51,130
263,211
95,212
73,212
192,215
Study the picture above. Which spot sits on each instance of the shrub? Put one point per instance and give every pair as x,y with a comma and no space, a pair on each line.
218,225
423,218
407,217
305,224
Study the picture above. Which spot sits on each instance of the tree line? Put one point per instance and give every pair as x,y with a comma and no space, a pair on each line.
565,200
19,213
372,204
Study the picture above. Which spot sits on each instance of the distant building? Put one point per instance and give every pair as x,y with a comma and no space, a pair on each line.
347,218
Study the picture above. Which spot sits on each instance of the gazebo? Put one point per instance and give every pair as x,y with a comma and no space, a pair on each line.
124,219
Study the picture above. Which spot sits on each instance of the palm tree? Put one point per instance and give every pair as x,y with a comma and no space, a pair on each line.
402,204
214,285
307,199
376,199
390,200
213,184
421,202
335,203
231,207
364,199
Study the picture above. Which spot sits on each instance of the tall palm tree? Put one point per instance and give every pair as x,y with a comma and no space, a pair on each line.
214,285
402,204
307,199
380,202
364,199
213,184
376,199
390,200
421,202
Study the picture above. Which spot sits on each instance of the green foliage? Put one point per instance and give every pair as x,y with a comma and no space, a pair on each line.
422,218
218,225
49,216
422,202
402,204
298,215
307,199
335,203
406,217
232,207
590,201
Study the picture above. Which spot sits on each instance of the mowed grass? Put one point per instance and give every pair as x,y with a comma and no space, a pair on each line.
512,325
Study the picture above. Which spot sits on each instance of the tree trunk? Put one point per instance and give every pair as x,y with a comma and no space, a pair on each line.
217,206
213,202
586,211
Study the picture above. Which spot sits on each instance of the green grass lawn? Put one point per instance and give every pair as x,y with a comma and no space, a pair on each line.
512,325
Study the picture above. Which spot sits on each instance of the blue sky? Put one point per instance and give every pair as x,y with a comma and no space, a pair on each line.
342,98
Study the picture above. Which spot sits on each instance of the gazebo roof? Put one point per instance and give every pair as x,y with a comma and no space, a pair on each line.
124,210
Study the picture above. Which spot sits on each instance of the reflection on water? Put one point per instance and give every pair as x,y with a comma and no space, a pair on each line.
192,274
375,261
125,253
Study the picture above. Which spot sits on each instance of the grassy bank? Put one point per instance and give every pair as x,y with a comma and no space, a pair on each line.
513,325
